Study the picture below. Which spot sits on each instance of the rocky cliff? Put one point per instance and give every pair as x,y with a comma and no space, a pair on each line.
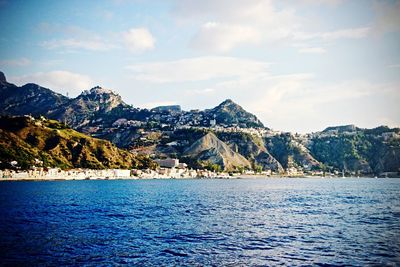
212,150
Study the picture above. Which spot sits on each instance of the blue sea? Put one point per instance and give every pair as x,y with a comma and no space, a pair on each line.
243,222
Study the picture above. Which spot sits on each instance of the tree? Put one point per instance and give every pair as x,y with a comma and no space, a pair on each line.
213,167
257,168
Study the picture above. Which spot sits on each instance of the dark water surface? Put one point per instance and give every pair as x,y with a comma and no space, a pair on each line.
201,222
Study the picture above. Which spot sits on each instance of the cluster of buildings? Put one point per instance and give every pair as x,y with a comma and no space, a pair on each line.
40,173
175,173
169,168
173,117
261,132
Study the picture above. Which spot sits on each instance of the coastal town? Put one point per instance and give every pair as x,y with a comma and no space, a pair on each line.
168,169
113,140
172,168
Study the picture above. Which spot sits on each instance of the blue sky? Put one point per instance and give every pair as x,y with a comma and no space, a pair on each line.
298,65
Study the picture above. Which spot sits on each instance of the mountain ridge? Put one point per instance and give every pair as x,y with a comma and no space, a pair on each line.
166,131
99,99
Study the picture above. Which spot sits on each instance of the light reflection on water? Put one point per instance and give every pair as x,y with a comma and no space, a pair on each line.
189,222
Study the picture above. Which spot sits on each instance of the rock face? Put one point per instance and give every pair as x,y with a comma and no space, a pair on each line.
365,151
80,110
290,152
253,148
95,107
268,162
341,129
29,99
210,148
2,78
101,98
171,108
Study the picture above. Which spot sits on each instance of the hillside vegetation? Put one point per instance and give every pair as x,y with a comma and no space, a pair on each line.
25,142
239,140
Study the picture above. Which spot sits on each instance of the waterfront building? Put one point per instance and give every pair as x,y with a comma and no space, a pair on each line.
168,163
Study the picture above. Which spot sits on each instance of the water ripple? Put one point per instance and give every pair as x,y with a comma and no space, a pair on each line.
287,222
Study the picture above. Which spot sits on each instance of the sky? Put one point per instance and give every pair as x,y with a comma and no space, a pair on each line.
298,65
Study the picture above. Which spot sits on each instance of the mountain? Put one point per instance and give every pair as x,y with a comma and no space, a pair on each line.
341,129
364,150
101,107
210,149
230,113
290,152
36,100
2,78
28,99
168,131
30,141
80,110
102,113
253,148
170,108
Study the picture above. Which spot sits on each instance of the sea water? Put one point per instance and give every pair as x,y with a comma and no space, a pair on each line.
201,222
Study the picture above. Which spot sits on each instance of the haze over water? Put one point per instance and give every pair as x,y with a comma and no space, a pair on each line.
201,222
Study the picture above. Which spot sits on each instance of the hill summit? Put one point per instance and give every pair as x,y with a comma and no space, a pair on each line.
99,108
230,113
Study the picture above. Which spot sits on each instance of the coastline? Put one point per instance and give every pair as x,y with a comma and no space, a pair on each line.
56,174
238,177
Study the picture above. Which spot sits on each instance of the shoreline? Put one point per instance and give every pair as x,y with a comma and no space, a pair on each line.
56,174
239,177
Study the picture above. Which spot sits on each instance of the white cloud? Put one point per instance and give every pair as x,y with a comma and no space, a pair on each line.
304,41
319,2
205,91
139,40
312,50
60,81
298,102
352,33
226,24
235,22
51,62
230,11
74,44
219,37
197,69
74,38
295,102
20,62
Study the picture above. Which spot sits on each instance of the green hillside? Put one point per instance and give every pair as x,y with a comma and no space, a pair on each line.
50,143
